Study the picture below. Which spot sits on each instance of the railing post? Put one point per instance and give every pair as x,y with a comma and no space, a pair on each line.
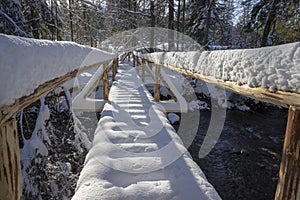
117,64
105,83
143,69
137,61
157,83
10,166
288,187
114,69
128,57
134,60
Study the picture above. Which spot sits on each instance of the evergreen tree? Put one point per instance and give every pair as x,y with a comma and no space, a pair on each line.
40,18
12,20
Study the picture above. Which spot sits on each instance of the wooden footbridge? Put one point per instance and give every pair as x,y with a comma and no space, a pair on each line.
128,99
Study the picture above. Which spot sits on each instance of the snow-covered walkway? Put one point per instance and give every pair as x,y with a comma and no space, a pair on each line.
136,153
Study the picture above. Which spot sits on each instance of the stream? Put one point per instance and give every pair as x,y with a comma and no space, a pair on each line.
244,163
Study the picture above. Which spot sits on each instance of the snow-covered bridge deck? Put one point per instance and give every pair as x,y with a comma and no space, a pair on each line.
136,153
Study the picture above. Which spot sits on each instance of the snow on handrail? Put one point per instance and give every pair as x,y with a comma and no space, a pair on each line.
31,68
269,74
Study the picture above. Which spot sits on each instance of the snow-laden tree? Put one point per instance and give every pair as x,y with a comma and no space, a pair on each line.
275,21
40,18
247,38
288,23
12,20
210,21
51,158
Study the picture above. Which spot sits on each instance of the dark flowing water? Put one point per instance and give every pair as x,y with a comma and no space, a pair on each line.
244,163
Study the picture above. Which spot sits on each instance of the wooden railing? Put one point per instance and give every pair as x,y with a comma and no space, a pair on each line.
289,176
10,166
160,78
288,187
82,102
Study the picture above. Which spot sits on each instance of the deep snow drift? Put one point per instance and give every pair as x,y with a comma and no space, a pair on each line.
26,63
275,68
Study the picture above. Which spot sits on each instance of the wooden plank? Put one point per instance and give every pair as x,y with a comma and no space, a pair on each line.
288,187
105,85
10,166
280,98
6,112
157,83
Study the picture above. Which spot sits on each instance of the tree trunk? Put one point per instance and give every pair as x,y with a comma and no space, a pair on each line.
34,23
210,5
183,23
269,21
178,23
56,23
152,10
171,25
71,19
183,17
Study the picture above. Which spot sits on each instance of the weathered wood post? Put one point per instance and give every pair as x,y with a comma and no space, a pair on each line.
105,83
138,61
135,60
157,83
143,69
128,56
117,64
10,166
114,69
288,187
135,65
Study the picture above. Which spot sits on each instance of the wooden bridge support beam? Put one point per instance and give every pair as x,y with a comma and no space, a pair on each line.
10,166
157,83
288,187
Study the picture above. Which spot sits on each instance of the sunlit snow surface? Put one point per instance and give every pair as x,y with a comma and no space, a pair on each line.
275,68
27,63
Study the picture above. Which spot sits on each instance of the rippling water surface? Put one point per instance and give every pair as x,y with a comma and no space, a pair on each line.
244,163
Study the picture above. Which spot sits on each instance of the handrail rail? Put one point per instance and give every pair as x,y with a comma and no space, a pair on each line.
289,182
280,98
82,102
7,111
11,181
